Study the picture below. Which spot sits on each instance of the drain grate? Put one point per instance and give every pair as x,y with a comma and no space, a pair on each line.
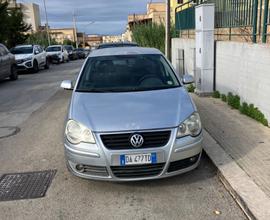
25,185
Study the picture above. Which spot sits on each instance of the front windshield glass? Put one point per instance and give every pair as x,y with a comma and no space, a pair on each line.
69,48
127,73
22,50
53,49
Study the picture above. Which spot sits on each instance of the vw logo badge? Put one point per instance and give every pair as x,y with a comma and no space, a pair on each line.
136,140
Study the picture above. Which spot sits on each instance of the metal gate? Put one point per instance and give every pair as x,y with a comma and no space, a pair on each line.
252,15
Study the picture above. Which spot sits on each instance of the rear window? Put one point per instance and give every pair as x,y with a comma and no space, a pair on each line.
53,49
127,73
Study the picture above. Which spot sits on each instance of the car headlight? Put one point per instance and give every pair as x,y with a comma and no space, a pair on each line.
27,59
191,126
77,133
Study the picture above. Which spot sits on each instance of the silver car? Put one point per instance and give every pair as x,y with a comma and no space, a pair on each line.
131,118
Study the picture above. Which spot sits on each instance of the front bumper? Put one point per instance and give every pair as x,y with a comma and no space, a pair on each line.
95,161
27,65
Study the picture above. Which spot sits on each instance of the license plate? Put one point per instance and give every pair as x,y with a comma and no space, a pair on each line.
137,159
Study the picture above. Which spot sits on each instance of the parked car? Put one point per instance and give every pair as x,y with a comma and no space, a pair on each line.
131,118
30,57
117,44
72,55
81,53
7,64
57,53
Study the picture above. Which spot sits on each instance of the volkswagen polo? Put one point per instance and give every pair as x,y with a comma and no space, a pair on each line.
130,118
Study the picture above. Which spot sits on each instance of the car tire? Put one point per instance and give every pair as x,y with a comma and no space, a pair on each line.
13,73
35,67
47,65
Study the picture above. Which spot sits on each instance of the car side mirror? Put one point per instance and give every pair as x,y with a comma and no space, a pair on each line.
67,85
187,79
36,52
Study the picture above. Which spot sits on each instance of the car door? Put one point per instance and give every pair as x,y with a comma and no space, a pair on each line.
4,62
37,55
42,56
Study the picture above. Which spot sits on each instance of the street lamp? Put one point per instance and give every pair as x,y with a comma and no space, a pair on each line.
47,24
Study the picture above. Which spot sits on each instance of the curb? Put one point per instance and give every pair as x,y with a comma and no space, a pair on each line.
252,200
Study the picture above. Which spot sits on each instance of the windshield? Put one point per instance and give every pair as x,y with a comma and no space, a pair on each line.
69,48
127,73
22,50
53,49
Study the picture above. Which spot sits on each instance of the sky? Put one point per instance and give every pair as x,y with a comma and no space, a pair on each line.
103,17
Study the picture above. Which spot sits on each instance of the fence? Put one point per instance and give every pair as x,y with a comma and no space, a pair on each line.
251,16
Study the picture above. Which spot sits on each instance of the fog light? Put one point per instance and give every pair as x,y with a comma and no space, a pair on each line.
79,167
193,159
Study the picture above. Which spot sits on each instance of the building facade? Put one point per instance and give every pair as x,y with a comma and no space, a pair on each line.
31,13
62,34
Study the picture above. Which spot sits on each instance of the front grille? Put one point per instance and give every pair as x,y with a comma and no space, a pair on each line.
122,141
182,164
19,61
138,171
92,170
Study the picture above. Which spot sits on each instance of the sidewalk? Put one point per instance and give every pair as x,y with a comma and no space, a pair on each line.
246,141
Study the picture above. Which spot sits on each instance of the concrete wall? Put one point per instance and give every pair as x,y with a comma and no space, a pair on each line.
241,68
244,69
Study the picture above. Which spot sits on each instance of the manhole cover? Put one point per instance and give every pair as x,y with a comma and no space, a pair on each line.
8,131
25,185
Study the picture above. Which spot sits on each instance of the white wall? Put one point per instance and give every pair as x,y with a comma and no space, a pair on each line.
244,69
241,68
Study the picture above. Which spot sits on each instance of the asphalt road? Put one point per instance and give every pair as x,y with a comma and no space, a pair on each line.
37,106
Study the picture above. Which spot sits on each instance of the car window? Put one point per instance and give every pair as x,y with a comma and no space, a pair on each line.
3,51
22,50
127,73
40,49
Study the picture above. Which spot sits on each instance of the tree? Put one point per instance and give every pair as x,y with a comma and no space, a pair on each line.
69,42
12,26
151,35
40,38
3,21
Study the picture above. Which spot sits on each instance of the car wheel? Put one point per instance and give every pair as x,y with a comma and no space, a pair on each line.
35,67
47,65
13,73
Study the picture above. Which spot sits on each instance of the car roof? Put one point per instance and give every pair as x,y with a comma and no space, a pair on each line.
124,51
26,45
119,43
55,45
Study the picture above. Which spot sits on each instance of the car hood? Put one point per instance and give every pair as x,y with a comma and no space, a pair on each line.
22,56
53,52
110,112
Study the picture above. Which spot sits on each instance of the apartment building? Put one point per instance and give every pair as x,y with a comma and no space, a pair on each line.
31,13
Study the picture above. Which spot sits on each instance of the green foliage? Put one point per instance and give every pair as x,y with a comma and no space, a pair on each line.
224,98
69,42
233,100
40,38
191,88
216,94
12,27
151,35
253,112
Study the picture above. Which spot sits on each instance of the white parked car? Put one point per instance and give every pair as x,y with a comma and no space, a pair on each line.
30,57
57,53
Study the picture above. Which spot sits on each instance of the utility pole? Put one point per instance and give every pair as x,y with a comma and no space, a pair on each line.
75,29
168,30
47,23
